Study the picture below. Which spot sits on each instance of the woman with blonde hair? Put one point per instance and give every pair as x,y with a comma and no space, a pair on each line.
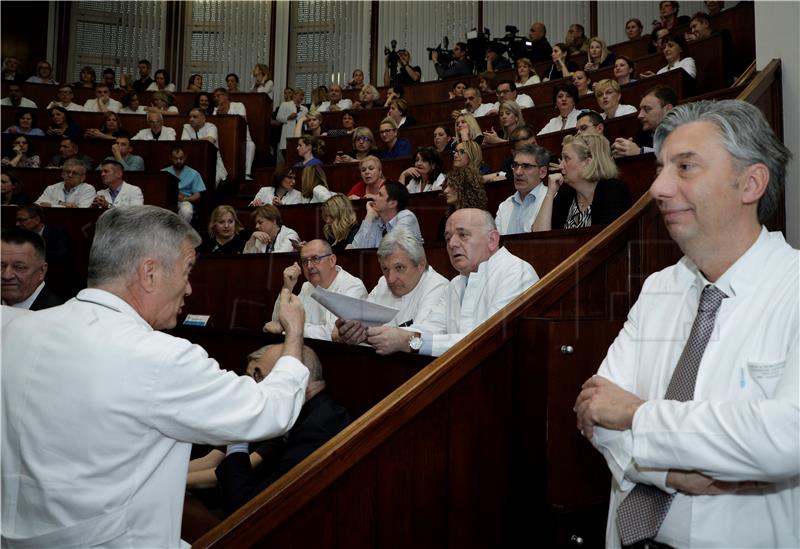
270,234
510,119
314,185
609,94
372,178
263,79
592,195
225,233
318,96
363,146
468,154
598,56
309,124
340,221
107,130
468,129
526,73
368,98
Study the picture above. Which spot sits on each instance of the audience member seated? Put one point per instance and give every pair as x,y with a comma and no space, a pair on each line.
657,40
270,234
205,102
103,102
21,154
624,70
539,49
633,28
73,191
122,152
363,146
469,154
11,70
68,149
190,183
287,115
314,185
226,234
161,82
387,212
242,476
310,149
65,97
44,74
507,91
320,270
309,124
714,7
195,83
590,123
357,80
31,218
340,222
427,174
282,191
262,80
467,129
674,50
335,100
108,128
496,277
131,105
156,130
592,196
16,98
526,73
582,81
524,135
392,93
347,126
396,147
462,188
319,95
232,82
110,78
473,104
654,106
598,56
486,82
699,27
372,178
119,192
398,111
61,124
565,98
562,66
517,213
457,89
459,66
408,284
198,129
143,82
495,60
12,192
23,265
576,39
609,95
163,102
368,98
670,19
510,120
443,140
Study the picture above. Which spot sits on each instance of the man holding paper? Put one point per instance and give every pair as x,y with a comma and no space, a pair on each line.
408,284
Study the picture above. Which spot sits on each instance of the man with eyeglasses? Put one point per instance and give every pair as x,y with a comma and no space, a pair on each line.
395,146
517,213
156,131
386,213
507,91
459,66
23,265
589,123
65,96
73,191
319,267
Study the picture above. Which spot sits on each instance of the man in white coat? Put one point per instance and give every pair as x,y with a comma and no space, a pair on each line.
696,407
98,417
336,101
118,192
517,213
320,269
156,131
103,102
408,284
198,129
491,277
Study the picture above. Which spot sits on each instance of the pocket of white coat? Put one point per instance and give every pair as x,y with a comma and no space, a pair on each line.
766,375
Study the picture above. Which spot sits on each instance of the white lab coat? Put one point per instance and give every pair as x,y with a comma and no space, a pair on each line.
167,134
283,242
208,130
286,109
418,304
129,195
82,195
554,125
99,413
744,421
266,194
92,106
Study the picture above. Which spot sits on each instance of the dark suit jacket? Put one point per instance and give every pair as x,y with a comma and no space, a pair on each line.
56,243
611,199
45,300
319,420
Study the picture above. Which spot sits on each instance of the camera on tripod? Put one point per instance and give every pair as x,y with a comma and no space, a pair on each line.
445,54
518,46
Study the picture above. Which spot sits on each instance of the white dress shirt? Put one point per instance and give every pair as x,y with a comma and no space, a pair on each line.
286,109
55,195
744,421
482,110
527,208
283,242
415,185
416,306
71,106
687,64
129,195
555,123
524,102
167,134
369,235
24,102
99,412
320,322
235,107
343,104
92,106
622,110
318,194
266,194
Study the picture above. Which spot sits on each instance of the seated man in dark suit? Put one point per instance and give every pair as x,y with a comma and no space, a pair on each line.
242,475
23,266
56,240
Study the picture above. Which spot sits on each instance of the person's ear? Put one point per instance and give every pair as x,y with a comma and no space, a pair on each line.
754,180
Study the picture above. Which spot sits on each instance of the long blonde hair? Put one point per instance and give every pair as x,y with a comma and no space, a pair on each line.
472,124
340,209
597,149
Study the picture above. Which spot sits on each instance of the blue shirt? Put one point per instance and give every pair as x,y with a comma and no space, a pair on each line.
189,181
313,162
522,212
402,147
133,163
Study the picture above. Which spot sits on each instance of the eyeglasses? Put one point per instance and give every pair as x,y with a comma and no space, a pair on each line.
363,139
524,165
313,260
460,151
387,131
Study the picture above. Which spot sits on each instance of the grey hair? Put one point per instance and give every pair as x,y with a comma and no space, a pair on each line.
744,134
123,237
541,154
158,114
310,360
77,162
403,239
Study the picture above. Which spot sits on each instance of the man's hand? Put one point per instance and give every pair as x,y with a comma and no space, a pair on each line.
625,147
292,317
273,327
372,214
435,56
604,403
388,340
351,332
698,484
100,202
290,276
116,152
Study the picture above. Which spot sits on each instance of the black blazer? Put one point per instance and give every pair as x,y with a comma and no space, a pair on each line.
45,300
611,199
56,243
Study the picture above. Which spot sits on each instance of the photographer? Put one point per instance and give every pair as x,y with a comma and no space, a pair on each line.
398,69
459,66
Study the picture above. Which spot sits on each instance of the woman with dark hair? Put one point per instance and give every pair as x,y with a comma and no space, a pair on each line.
226,235
624,70
161,82
340,221
565,98
582,82
443,139
205,102
348,125
26,122
61,124
562,65
108,129
314,185
271,235
12,193
21,154
282,191
633,28
457,89
195,83
87,78
310,149
232,82
427,174
131,105
675,50
462,188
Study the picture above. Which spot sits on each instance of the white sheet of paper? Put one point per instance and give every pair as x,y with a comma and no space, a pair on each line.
351,308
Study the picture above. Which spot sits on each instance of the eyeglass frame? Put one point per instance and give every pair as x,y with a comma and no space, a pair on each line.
314,259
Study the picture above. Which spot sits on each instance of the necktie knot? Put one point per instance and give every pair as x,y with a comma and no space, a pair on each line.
711,299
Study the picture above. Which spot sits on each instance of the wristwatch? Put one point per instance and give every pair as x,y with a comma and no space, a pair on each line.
415,342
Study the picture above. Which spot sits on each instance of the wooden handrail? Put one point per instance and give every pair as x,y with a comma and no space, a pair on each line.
746,76
762,82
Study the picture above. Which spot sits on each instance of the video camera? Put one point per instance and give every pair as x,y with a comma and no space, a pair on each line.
445,54
518,46
477,44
